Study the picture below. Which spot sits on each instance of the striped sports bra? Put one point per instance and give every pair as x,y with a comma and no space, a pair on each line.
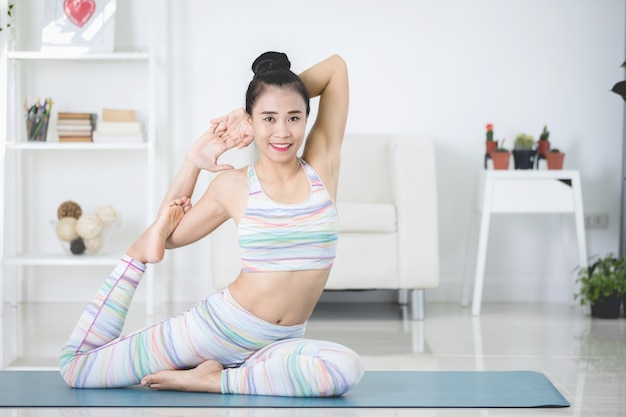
275,236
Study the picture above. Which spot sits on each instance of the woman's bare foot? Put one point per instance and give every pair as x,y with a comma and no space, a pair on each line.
206,377
150,247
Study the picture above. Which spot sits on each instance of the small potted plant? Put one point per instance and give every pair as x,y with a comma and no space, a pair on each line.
9,19
490,144
554,159
523,152
543,145
603,285
501,157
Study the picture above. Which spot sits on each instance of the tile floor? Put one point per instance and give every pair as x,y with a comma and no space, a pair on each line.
585,358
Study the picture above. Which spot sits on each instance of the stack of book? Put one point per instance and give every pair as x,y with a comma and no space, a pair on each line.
75,127
118,126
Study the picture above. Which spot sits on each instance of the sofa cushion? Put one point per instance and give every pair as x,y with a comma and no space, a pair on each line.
365,261
366,218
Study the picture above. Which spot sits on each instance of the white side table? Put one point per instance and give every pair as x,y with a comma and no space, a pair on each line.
523,191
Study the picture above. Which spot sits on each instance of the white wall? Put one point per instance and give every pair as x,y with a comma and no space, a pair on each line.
429,67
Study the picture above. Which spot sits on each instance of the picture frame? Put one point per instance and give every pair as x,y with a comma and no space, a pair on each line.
78,26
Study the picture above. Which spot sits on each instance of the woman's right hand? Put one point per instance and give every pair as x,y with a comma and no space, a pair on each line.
207,149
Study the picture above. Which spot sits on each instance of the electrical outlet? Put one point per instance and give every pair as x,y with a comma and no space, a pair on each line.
596,220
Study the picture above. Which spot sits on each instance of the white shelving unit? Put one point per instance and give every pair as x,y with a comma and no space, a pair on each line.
20,158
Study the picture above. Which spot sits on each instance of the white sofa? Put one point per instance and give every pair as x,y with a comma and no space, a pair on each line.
387,203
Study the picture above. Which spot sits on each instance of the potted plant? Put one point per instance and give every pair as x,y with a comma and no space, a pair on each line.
554,159
603,285
523,153
490,144
501,157
10,6
543,145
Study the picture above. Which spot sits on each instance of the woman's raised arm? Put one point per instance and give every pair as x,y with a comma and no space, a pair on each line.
329,80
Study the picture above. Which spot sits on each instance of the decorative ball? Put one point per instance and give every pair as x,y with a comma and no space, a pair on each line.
107,215
77,247
69,209
66,229
88,226
94,244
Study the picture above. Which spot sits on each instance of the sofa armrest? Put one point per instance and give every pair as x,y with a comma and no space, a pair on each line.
415,196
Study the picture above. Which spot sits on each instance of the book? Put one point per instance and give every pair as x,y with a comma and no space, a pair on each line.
102,126
116,115
61,132
74,127
75,139
117,137
73,115
76,122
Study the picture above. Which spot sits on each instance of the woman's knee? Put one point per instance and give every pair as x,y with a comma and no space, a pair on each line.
344,364
299,367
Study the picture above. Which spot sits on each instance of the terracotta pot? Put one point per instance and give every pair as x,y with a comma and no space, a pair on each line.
543,146
501,160
555,160
491,146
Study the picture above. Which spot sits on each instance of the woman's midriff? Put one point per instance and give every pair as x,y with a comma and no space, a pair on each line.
286,298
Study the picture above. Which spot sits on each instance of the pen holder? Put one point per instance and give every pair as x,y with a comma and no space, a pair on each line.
37,127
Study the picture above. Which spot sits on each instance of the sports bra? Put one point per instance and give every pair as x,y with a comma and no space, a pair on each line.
275,236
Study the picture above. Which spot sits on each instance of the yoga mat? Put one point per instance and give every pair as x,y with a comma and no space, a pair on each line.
377,389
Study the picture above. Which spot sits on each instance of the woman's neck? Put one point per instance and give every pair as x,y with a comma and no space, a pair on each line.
272,171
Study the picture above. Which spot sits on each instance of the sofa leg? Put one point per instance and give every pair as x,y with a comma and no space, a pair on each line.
417,304
403,296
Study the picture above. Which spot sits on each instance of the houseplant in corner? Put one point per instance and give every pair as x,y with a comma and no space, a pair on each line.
9,18
603,285
523,152
554,159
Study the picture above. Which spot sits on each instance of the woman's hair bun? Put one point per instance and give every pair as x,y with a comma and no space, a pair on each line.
271,61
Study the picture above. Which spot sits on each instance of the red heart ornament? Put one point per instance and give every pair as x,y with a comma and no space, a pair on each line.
79,11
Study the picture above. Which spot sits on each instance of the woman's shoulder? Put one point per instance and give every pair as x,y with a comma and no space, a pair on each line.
232,177
230,189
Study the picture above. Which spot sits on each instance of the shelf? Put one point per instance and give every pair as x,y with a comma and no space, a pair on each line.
30,167
62,260
73,56
48,146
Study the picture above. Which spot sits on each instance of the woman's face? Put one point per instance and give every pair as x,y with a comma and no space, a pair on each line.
279,123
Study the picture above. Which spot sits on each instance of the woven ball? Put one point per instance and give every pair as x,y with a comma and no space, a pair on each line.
107,215
66,229
77,247
88,226
94,244
69,209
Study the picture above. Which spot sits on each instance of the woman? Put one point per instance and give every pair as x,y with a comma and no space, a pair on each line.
247,339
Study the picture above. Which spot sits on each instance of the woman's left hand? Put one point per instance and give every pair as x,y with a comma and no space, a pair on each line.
235,126
206,150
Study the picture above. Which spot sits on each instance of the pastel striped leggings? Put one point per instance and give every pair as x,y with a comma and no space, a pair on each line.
258,357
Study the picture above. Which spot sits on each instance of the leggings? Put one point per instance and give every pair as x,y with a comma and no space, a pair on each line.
258,357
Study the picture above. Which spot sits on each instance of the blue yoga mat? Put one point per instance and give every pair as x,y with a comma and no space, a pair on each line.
377,389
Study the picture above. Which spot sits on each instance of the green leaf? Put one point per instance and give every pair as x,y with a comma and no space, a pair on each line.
606,277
